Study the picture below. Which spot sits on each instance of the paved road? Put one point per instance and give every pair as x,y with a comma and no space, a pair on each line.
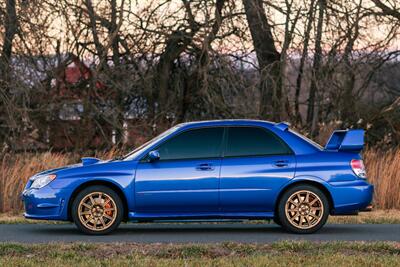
197,233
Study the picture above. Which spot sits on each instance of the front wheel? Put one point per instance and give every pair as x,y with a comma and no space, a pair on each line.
97,210
303,209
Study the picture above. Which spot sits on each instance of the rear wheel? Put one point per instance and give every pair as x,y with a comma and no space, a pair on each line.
303,209
97,210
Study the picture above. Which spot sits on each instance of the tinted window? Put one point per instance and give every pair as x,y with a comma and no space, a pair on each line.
199,143
248,141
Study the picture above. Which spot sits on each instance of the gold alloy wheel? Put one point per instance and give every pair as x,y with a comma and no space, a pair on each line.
304,209
97,211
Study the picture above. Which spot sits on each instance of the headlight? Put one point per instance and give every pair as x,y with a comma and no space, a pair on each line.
41,181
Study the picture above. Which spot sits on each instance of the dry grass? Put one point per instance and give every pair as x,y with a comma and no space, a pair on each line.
15,170
283,253
18,218
382,167
374,217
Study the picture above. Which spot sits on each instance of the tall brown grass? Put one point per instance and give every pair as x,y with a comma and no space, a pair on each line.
382,168
16,169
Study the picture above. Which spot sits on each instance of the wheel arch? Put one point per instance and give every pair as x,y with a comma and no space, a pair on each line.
109,184
312,182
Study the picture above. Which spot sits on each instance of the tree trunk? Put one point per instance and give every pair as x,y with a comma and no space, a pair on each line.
387,10
316,71
93,25
268,59
116,57
176,43
10,30
10,26
348,103
193,84
303,59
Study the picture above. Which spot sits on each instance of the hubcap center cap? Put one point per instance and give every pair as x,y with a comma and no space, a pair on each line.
97,211
304,209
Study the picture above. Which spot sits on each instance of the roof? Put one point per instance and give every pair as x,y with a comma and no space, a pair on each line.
295,141
231,122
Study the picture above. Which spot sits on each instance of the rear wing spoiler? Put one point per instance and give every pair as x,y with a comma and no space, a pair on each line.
346,140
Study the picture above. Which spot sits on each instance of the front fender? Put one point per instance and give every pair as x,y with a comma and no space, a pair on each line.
125,190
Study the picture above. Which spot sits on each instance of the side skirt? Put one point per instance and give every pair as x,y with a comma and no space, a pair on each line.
199,216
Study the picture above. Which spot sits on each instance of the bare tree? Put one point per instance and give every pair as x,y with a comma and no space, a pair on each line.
268,59
388,10
10,25
194,84
148,65
312,111
10,30
304,55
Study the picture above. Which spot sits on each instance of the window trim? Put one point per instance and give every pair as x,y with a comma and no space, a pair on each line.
145,160
226,136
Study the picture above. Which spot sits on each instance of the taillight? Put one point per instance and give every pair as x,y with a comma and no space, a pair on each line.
357,165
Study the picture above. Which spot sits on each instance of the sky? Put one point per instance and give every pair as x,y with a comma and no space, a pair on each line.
168,13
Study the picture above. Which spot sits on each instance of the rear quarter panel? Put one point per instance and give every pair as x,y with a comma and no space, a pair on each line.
332,170
328,166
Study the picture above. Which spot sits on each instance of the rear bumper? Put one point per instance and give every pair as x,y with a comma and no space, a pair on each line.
351,197
368,208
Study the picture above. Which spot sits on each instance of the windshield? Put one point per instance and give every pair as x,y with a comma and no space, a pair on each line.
138,150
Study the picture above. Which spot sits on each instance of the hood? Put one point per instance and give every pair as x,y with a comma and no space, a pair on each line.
55,170
93,167
89,161
84,162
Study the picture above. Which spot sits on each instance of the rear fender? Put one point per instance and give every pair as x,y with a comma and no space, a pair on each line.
311,180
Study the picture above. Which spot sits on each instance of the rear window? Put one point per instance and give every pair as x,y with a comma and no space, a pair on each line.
311,142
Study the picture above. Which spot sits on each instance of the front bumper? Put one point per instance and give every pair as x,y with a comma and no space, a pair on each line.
351,197
45,203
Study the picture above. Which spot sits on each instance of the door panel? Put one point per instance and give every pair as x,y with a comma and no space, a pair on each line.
252,183
178,186
257,163
186,178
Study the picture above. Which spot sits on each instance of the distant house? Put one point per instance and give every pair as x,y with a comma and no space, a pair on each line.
72,72
71,79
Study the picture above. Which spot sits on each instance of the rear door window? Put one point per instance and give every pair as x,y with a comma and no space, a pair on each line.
254,141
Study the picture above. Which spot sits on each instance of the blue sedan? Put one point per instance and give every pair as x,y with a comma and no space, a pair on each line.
228,169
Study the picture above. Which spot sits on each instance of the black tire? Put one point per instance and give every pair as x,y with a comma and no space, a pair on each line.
311,228
113,224
277,220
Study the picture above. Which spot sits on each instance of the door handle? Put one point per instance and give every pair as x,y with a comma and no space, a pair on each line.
205,167
281,163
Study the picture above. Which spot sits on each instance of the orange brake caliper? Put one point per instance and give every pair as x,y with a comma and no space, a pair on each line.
107,206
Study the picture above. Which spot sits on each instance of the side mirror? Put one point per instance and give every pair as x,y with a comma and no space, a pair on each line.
154,155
